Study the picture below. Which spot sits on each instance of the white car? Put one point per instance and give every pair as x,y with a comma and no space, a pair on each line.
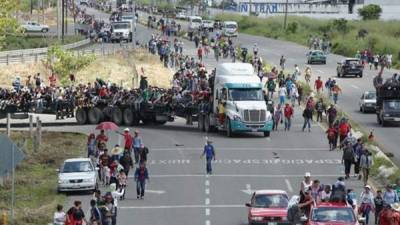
208,24
181,16
78,174
230,29
35,27
367,102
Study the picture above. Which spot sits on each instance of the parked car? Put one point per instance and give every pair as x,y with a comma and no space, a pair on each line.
316,56
181,16
208,24
78,174
268,207
350,66
31,26
367,102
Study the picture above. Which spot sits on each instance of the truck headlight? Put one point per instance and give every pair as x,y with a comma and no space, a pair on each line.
90,180
237,118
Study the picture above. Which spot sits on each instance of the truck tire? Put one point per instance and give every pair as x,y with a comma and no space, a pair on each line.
107,112
81,116
200,122
128,117
267,133
116,115
229,132
95,115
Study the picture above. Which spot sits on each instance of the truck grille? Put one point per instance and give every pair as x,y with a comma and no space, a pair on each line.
76,181
254,115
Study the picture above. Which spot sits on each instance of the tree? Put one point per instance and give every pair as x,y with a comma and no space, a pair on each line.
370,12
8,22
341,26
63,63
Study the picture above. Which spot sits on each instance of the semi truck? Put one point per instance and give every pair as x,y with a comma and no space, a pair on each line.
388,103
239,90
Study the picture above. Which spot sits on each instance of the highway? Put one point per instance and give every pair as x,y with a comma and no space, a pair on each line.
179,191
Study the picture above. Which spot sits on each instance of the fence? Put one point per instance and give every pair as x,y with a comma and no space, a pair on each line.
35,54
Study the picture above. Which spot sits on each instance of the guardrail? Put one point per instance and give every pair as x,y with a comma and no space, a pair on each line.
36,57
7,57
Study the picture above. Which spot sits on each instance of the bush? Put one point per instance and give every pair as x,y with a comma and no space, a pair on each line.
370,12
292,27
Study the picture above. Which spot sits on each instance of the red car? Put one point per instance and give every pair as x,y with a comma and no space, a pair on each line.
268,207
333,213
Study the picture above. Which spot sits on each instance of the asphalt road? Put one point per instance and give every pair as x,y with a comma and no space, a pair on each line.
179,191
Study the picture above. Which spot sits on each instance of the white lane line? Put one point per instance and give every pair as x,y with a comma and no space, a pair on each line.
354,86
207,222
248,187
207,183
243,175
242,149
207,211
207,191
207,201
289,185
181,206
320,71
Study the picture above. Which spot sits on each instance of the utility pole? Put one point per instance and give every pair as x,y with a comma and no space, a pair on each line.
66,16
31,7
62,20
58,20
286,12
43,11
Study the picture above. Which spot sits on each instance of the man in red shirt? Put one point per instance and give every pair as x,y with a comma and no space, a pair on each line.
101,139
200,53
385,216
128,139
288,113
319,85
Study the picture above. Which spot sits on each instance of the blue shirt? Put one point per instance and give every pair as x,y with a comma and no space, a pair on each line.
137,142
209,151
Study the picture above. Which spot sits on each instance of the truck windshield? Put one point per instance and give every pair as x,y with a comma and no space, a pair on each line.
196,20
392,105
230,26
118,26
245,94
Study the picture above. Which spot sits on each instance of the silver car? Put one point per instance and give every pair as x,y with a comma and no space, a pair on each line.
77,174
367,102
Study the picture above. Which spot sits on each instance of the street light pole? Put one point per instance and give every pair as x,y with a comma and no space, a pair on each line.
62,20
286,12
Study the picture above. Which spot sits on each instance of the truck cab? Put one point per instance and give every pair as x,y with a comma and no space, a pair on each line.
388,103
121,31
237,87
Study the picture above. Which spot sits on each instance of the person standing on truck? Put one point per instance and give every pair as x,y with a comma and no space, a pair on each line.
209,152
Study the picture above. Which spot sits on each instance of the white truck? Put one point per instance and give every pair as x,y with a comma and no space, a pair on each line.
195,23
31,26
237,87
121,31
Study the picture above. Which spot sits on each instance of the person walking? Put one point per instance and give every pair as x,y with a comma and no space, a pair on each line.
95,214
75,215
141,175
144,151
332,114
209,152
278,114
390,195
378,201
367,203
91,145
358,149
59,216
307,115
331,135
347,159
128,139
137,142
126,161
366,164
318,85
320,108
336,90
288,113
282,94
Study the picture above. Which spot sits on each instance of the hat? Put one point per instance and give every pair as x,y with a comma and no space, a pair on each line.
395,206
367,186
126,130
308,174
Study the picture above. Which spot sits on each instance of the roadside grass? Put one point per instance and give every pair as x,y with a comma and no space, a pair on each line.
383,36
27,42
36,179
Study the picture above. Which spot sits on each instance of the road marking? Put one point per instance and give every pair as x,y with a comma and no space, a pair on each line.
248,189
181,206
289,185
354,86
254,161
320,71
155,191
207,201
207,222
207,211
243,175
207,191
242,149
207,183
